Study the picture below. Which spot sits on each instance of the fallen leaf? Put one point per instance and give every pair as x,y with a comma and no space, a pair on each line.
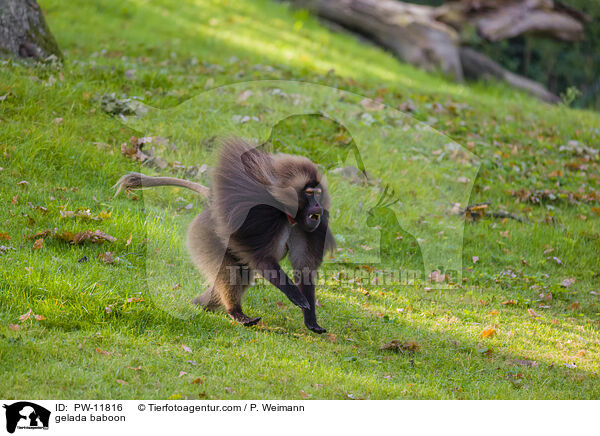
493,312
186,349
197,381
509,302
107,258
304,394
332,338
398,345
123,382
280,305
371,105
129,240
39,243
104,353
575,306
4,236
557,260
488,333
39,317
533,313
14,327
25,316
138,368
135,299
96,236
567,282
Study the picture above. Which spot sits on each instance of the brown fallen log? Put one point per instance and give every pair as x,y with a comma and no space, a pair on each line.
501,19
410,31
477,66
428,37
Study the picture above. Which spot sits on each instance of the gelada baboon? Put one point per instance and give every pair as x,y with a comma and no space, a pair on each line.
261,207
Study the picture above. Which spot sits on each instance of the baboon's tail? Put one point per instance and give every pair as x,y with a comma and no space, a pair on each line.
137,181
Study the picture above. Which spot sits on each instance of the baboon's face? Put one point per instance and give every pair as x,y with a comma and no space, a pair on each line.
310,210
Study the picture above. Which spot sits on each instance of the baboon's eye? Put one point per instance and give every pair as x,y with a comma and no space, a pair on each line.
315,192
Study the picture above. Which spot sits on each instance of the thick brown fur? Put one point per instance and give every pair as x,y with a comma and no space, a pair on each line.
259,209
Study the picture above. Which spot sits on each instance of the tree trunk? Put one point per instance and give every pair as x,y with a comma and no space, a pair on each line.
478,66
408,30
501,19
24,32
428,37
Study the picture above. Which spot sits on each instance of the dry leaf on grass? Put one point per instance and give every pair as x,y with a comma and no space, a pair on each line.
371,105
135,299
95,236
107,258
488,333
104,353
533,313
509,302
122,382
39,243
399,345
568,282
14,327
25,316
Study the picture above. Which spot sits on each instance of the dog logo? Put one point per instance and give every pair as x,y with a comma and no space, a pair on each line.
26,415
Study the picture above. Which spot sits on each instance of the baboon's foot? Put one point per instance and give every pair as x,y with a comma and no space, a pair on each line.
244,319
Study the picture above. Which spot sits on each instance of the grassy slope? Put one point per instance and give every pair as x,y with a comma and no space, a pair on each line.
58,357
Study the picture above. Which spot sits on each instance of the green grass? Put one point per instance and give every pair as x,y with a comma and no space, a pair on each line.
178,49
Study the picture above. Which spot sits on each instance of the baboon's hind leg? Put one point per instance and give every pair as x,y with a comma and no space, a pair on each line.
231,295
231,283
